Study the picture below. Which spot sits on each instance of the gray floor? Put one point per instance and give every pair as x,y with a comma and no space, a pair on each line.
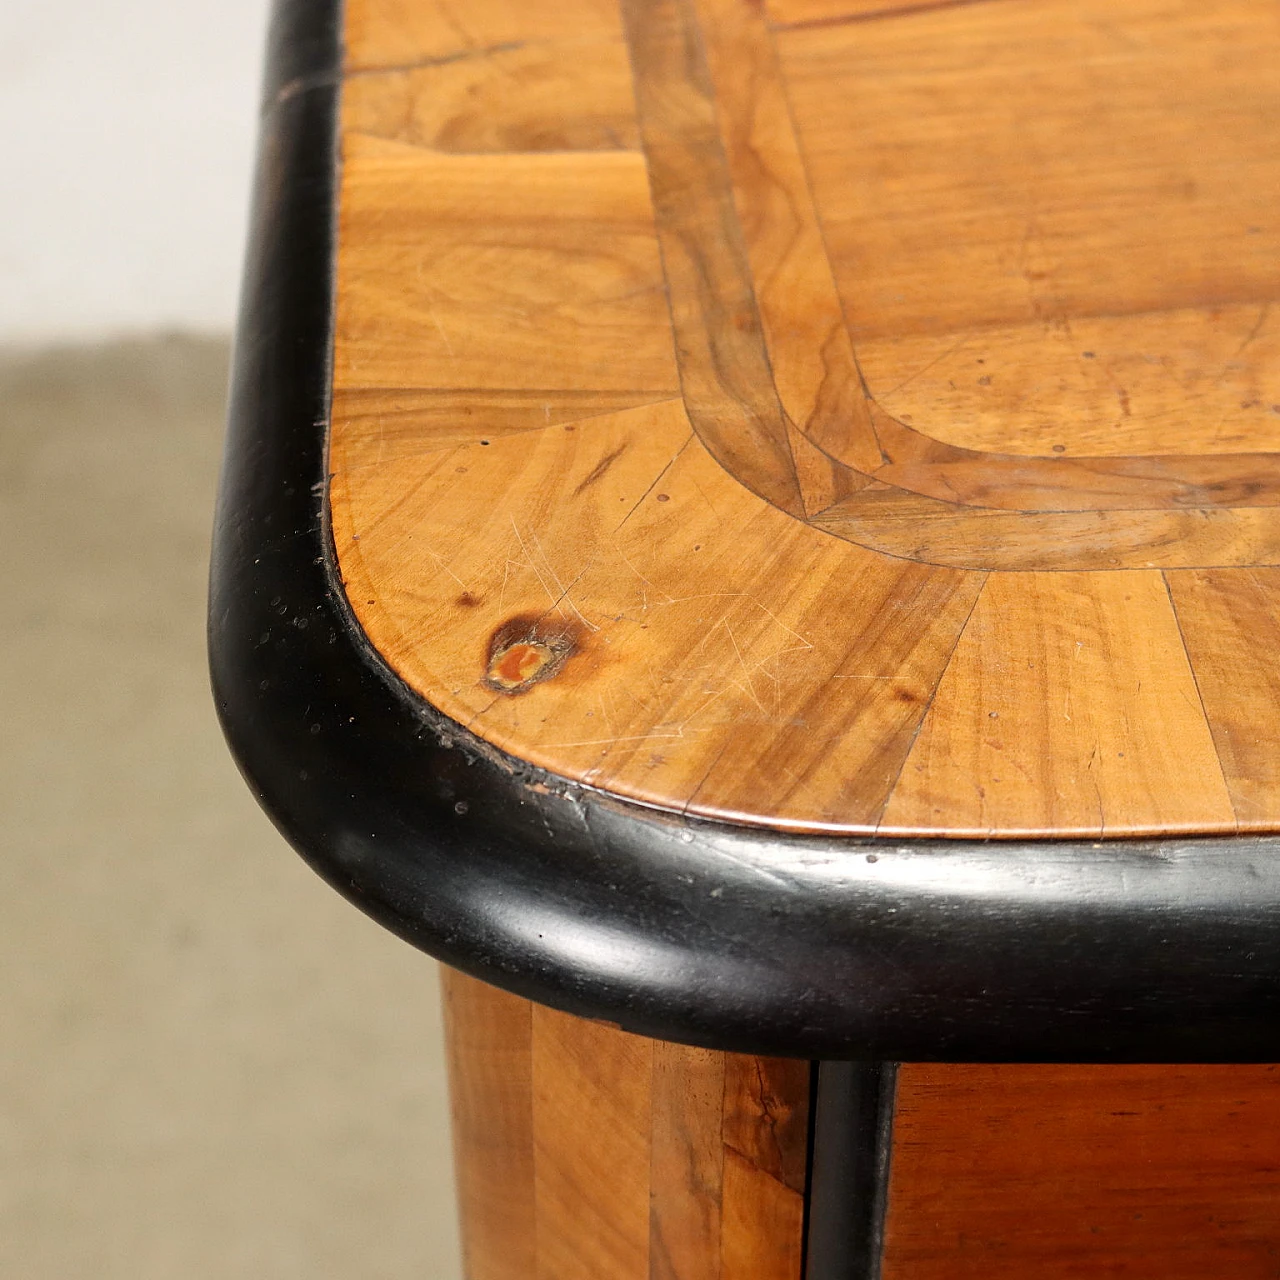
210,1065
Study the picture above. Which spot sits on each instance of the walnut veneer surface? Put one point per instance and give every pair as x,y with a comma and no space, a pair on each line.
822,414
584,1153
1059,1172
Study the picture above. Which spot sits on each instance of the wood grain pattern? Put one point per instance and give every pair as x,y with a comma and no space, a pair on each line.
1215,392
808,348
565,95
489,1036
712,295
687,1178
724,364
1091,254
543,273
827,13
681,573
993,750
390,34
587,1152
1223,613
592,1128
702,361
1066,1171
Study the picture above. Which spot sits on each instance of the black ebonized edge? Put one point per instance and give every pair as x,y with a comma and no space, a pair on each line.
304,49
687,930
849,1175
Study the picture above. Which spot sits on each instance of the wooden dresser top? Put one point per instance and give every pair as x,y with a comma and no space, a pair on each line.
824,414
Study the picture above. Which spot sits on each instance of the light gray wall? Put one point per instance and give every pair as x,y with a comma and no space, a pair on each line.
126,137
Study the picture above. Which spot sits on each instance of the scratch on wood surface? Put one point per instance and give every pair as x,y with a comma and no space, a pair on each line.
750,689
875,15
679,732
924,368
439,60
561,594
710,769
529,564
564,591
1263,313
444,337
726,667
440,560
644,608
675,457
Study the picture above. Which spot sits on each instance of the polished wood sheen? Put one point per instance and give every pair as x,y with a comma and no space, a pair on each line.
585,1153
1056,1172
835,417
826,415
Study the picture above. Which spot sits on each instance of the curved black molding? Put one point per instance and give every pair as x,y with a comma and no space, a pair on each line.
680,929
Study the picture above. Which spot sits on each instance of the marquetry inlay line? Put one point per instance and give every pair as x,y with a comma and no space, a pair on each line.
1135,512
609,488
